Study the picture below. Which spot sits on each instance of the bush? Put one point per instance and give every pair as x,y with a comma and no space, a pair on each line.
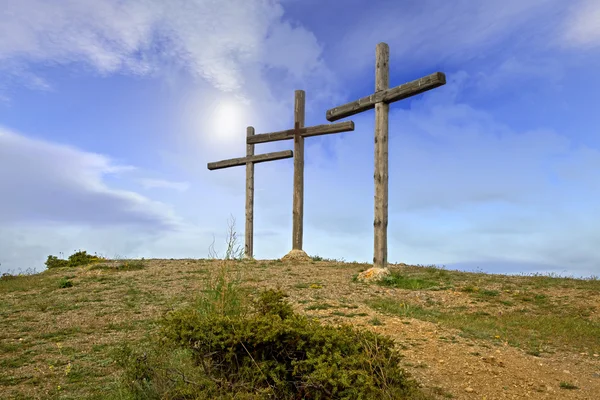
75,260
64,283
269,353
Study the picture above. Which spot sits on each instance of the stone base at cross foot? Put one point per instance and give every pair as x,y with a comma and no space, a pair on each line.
296,255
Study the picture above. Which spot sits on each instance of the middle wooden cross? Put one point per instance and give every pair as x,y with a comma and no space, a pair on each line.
298,133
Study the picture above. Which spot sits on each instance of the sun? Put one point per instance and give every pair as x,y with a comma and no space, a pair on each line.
228,120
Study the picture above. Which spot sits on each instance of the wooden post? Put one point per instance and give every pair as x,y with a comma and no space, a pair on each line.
298,202
249,162
380,101
380,223
249,230
298,133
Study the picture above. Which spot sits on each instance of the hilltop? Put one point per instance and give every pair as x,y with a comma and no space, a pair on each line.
461,335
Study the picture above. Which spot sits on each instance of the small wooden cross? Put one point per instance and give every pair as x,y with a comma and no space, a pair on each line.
380,101
249,161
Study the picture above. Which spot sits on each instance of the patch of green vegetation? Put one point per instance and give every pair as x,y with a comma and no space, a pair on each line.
375,321
302,286
539,281
264,351
520,329
348,315
394,307
65,282
76,259
402,281
568,386
59,334
488,293
129,265
319,306
470,289
23,281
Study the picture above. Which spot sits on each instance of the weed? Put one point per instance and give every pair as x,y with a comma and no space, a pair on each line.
65,282
234,250
568,385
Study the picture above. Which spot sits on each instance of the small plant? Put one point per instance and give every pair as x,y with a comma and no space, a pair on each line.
234,251
65,282
568,385
470,289
317,258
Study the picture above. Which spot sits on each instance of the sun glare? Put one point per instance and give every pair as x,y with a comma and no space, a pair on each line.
228,120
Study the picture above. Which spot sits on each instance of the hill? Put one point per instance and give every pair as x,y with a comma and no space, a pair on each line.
461,335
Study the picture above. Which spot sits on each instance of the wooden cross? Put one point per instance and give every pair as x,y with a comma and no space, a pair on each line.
249,161
298,134
380,101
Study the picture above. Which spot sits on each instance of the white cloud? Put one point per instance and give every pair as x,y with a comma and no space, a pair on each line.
582,26
449,32
43,182
163,184
215,41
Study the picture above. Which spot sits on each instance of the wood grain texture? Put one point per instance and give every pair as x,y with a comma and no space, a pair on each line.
316,130
298,201
234,162
387,96
249,229
380,222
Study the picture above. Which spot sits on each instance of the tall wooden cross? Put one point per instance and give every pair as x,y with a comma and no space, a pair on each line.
249,161
298,134
380,101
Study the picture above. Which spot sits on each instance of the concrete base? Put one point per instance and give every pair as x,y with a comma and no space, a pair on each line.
296,255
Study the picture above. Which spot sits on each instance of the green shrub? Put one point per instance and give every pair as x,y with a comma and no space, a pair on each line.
55,262
65,283
269,353
76,259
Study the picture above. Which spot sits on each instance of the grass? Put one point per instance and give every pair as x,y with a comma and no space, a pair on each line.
530,330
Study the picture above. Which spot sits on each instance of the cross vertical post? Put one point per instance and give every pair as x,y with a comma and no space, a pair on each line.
298,201
380,100
380,223
249,228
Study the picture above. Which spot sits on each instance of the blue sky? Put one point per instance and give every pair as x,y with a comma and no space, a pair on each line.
110,111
